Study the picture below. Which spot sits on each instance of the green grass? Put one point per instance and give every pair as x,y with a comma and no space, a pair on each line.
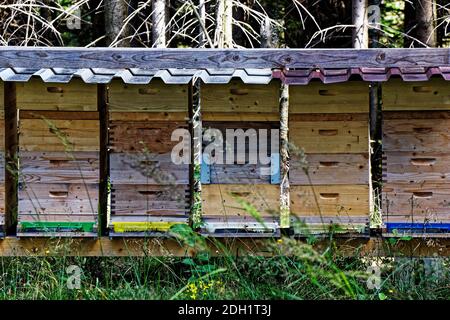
293,272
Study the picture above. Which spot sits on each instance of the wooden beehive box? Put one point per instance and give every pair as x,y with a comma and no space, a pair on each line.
329,175
149,192
2,161
416,159
59,145
240,196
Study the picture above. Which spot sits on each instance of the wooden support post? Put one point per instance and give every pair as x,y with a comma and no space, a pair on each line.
11,160
195,129
284,157
102,104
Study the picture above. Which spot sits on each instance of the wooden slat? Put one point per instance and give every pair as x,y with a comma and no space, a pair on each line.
240,174
149,200
330,136
424,95
416,167
58,199
59,167
240,116
326,169
146,58
237,97
221,200
59,115
416,202
143,136
73,217
74,96
330,200
154,97
317,97
38,135
412,134
131,168
148,116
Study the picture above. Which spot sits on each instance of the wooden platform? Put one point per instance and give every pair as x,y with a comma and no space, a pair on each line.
124,247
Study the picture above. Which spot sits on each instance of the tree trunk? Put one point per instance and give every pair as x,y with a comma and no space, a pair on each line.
419,23
425,16
202,24
360,36
224,24
116,12
159,23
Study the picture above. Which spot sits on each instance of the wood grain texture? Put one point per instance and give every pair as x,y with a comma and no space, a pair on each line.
416,167
35,57
317,97
59,135
221,200
326,169
154,97
416,202
424,95
237,97
132,168
240,116
330,200
416,134
59,167
148,116
74,96
58,199
149,199
330,136
143,136
240,174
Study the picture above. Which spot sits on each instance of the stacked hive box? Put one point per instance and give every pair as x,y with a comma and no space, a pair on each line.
330,180
2,162
416,156
58,158
241,197
149,190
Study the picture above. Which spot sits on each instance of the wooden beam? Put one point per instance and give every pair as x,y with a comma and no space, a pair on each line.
126,247
40,57
11,159
102,108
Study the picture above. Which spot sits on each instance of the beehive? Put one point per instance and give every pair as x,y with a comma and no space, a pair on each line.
240,196
149,191
416,159
329,175
58,158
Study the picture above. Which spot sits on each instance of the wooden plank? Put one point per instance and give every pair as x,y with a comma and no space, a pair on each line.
416,201
416,167
137,168
330,136
317,97
240,116
35,57
59,167
143,136
59,135
148,116
59,115
324,169
10,147
413,134
221,200
240,174
58,199
330,200
148,199
154,97
424,95
237,97
74,96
